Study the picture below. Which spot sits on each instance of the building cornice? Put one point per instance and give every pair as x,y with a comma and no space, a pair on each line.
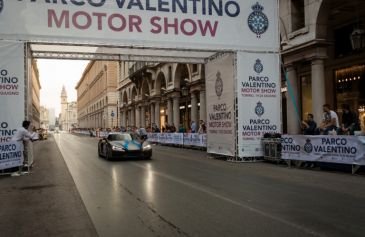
86,71
315,49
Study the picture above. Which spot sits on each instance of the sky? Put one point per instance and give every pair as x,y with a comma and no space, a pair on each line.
53,74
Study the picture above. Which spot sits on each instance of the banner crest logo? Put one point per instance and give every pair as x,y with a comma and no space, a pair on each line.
258,67
259,109
218,85
308,147
257,20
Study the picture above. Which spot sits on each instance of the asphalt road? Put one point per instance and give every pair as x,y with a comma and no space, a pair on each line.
182,192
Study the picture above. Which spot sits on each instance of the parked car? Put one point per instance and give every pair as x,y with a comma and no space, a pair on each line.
122,145
42,134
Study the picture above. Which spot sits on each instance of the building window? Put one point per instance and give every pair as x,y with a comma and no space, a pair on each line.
349,83
297,14
170,73
343,41
195,68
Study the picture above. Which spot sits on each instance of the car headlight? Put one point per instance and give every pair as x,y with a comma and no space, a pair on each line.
146,147
118,148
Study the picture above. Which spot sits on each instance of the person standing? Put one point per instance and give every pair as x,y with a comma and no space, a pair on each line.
193,127
23,135
201,127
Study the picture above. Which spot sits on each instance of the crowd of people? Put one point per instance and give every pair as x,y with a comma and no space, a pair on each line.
154,128
330,124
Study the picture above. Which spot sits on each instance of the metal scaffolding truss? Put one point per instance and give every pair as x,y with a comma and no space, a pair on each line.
109,53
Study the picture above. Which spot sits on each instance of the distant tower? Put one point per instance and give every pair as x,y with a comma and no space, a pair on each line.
63,105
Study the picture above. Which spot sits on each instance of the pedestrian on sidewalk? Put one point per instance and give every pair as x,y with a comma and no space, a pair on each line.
24,136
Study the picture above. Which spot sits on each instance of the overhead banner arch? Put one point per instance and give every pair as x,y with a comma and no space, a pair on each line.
177,24
190,31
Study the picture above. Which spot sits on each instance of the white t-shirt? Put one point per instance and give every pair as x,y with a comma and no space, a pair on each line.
333,115
23,134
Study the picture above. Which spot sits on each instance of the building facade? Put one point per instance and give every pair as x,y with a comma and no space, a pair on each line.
44,116
324,58
51,118
68,116
97,96
34,115
161,94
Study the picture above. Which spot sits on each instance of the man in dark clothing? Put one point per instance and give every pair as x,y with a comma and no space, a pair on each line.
309,126
350,121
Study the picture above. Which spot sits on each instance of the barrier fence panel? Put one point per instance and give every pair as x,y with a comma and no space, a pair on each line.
333,149
11,155
181,139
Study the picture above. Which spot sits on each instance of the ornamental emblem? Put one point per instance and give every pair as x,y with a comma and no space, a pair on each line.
308,147
259,109
1,5
257,20
258,67
218,85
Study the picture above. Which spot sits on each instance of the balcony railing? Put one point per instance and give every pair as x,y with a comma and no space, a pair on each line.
139,66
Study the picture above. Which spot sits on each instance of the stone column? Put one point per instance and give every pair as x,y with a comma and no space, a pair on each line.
124,118
133,117
318,89
152,113
138,117
157,113
203,107
176,109
293,118
143,116
169,112
129,117
194,108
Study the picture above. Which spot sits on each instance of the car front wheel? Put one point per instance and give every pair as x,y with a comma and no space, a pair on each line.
108,154
99,152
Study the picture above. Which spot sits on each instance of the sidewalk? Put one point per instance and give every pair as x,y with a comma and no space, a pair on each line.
45,202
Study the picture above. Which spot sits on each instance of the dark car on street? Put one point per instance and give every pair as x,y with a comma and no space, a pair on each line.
123,146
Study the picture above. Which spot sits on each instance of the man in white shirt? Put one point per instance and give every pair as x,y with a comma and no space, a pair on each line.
23,135
330,120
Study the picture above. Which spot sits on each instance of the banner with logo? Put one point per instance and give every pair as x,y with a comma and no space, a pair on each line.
221,132
178,138
195,139
11,155
11,88
213,24
335,149
258,100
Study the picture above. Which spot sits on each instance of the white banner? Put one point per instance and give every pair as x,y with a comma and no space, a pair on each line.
220,105
214,24
178,138
258,100
152,137
195,139
11,155
334,149
11,88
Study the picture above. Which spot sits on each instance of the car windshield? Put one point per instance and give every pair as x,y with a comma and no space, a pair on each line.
119,137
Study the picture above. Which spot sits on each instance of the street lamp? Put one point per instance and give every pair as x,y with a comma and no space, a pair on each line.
357,38
184,91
